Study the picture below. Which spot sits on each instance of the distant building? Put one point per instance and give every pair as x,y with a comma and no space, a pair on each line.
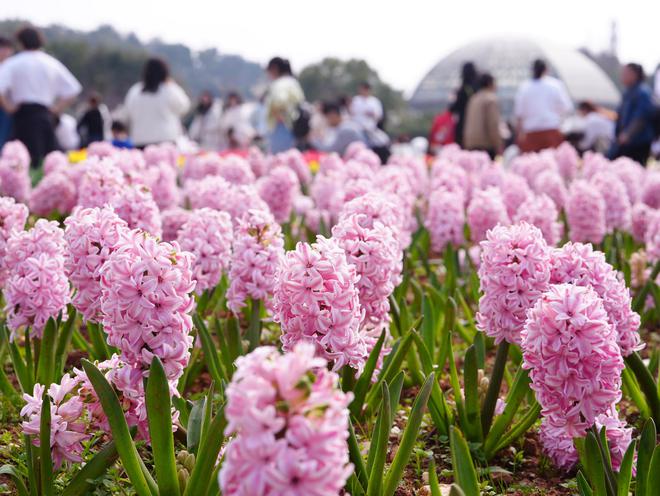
509,60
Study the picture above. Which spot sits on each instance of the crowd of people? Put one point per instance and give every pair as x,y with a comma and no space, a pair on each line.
36,90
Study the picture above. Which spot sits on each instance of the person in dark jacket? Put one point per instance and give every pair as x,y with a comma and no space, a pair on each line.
469,86
91,126
634,125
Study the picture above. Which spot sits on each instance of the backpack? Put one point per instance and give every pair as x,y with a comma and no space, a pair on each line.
301,124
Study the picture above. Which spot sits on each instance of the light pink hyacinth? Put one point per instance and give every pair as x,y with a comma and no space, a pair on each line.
56,192
641,214
295,161
515,192
12,220
15,179
16,153
651,190
551,184
289,422
92,234
540,211
161,180
652,237
100,181
579,264
514,272
235,170
67,423
278,189
631,174
45,237
574,362
208,236
137,207
317,300
447,175
258,250
382,207
486,210
146,302
617,211
172,220
162,153
101,149
585,212
376,255
567,159
445,219
55,161
215,192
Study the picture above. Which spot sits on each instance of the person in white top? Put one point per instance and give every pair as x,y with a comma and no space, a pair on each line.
366,109
283,102
205,126
540,106
35,88
154,106
235,126
598,128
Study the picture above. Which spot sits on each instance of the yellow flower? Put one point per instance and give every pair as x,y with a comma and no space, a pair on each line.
76,156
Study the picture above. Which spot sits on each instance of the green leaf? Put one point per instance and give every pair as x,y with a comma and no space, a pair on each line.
465,474
46,365
254,325
20,368
494,386
454,490
644,454
646,382
625,471
594,464
520,428
381,443
210,353
409,437
82,482
390,369
207,457
583,485
120,433
654,473
97,338
46,461
434,483
159,416
471,385
11,472
356,457
364,381
64,340
195,421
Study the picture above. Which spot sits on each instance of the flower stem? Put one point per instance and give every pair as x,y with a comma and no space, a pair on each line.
254,327
494,386
646,383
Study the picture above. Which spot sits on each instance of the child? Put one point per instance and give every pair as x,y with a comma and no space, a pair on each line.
120,137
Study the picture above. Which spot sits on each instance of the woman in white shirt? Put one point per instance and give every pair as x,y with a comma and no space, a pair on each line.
154,106
282,105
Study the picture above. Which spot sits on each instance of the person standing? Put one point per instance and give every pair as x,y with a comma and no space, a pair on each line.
205,126
634,125
469,86
94,125
235,128
154,106
482,119
283,105
365,109
539,108
35,88
345,130
598,128
6,51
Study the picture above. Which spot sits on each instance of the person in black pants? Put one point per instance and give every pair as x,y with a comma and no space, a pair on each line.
91,126
469,86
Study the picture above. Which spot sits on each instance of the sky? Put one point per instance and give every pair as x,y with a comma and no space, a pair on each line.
402,40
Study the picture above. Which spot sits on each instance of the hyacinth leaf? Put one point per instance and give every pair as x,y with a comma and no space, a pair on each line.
610,478
120,433
46,365
434,483
520,428
159,416
409,437
653,482
200,478
583,485
448,325
471,385
494,386
395,393
45,457
465,474
225,352
195,425
594,465
97,338
455,490
428,326
210,352
644,454
625,470
633,391
208,412
423,354
364,381
64,340
355,456
19,365
254,325
82,482
381,438
11,472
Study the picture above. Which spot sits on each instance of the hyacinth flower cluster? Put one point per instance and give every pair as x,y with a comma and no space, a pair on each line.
514,273
258,249
289,422
445,219
585,212
36,287
92,234
279,189
485,211
208,236
12,220
541,211
317,300
15,171
137,207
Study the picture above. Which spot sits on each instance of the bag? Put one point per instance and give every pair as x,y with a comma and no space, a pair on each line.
301,124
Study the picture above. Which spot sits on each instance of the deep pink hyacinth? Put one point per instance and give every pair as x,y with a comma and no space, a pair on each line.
376,255
55,161
92,234
289,422
137,207
35,291
258,250
317,300
15,179
278,189
172,220
574,362
540,211
579,264
486,210
67,423
514,272
585,212
12,220
146,302
445,219
208,236
617,211
56,192
651,190
100,182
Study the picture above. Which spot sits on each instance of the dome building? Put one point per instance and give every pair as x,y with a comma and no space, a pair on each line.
509,60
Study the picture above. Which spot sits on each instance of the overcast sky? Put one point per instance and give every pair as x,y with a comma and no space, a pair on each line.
401,39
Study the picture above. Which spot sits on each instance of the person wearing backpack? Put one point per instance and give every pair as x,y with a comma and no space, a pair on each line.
284,104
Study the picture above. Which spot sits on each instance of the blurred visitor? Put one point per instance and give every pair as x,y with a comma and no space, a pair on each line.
365,109
35,88
120,138
597,128
6,51
344,130
154,106
94,125
482,119
283,106
442,131
66,132
539,108
634,125
236,130
655,147
469,86
205,127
